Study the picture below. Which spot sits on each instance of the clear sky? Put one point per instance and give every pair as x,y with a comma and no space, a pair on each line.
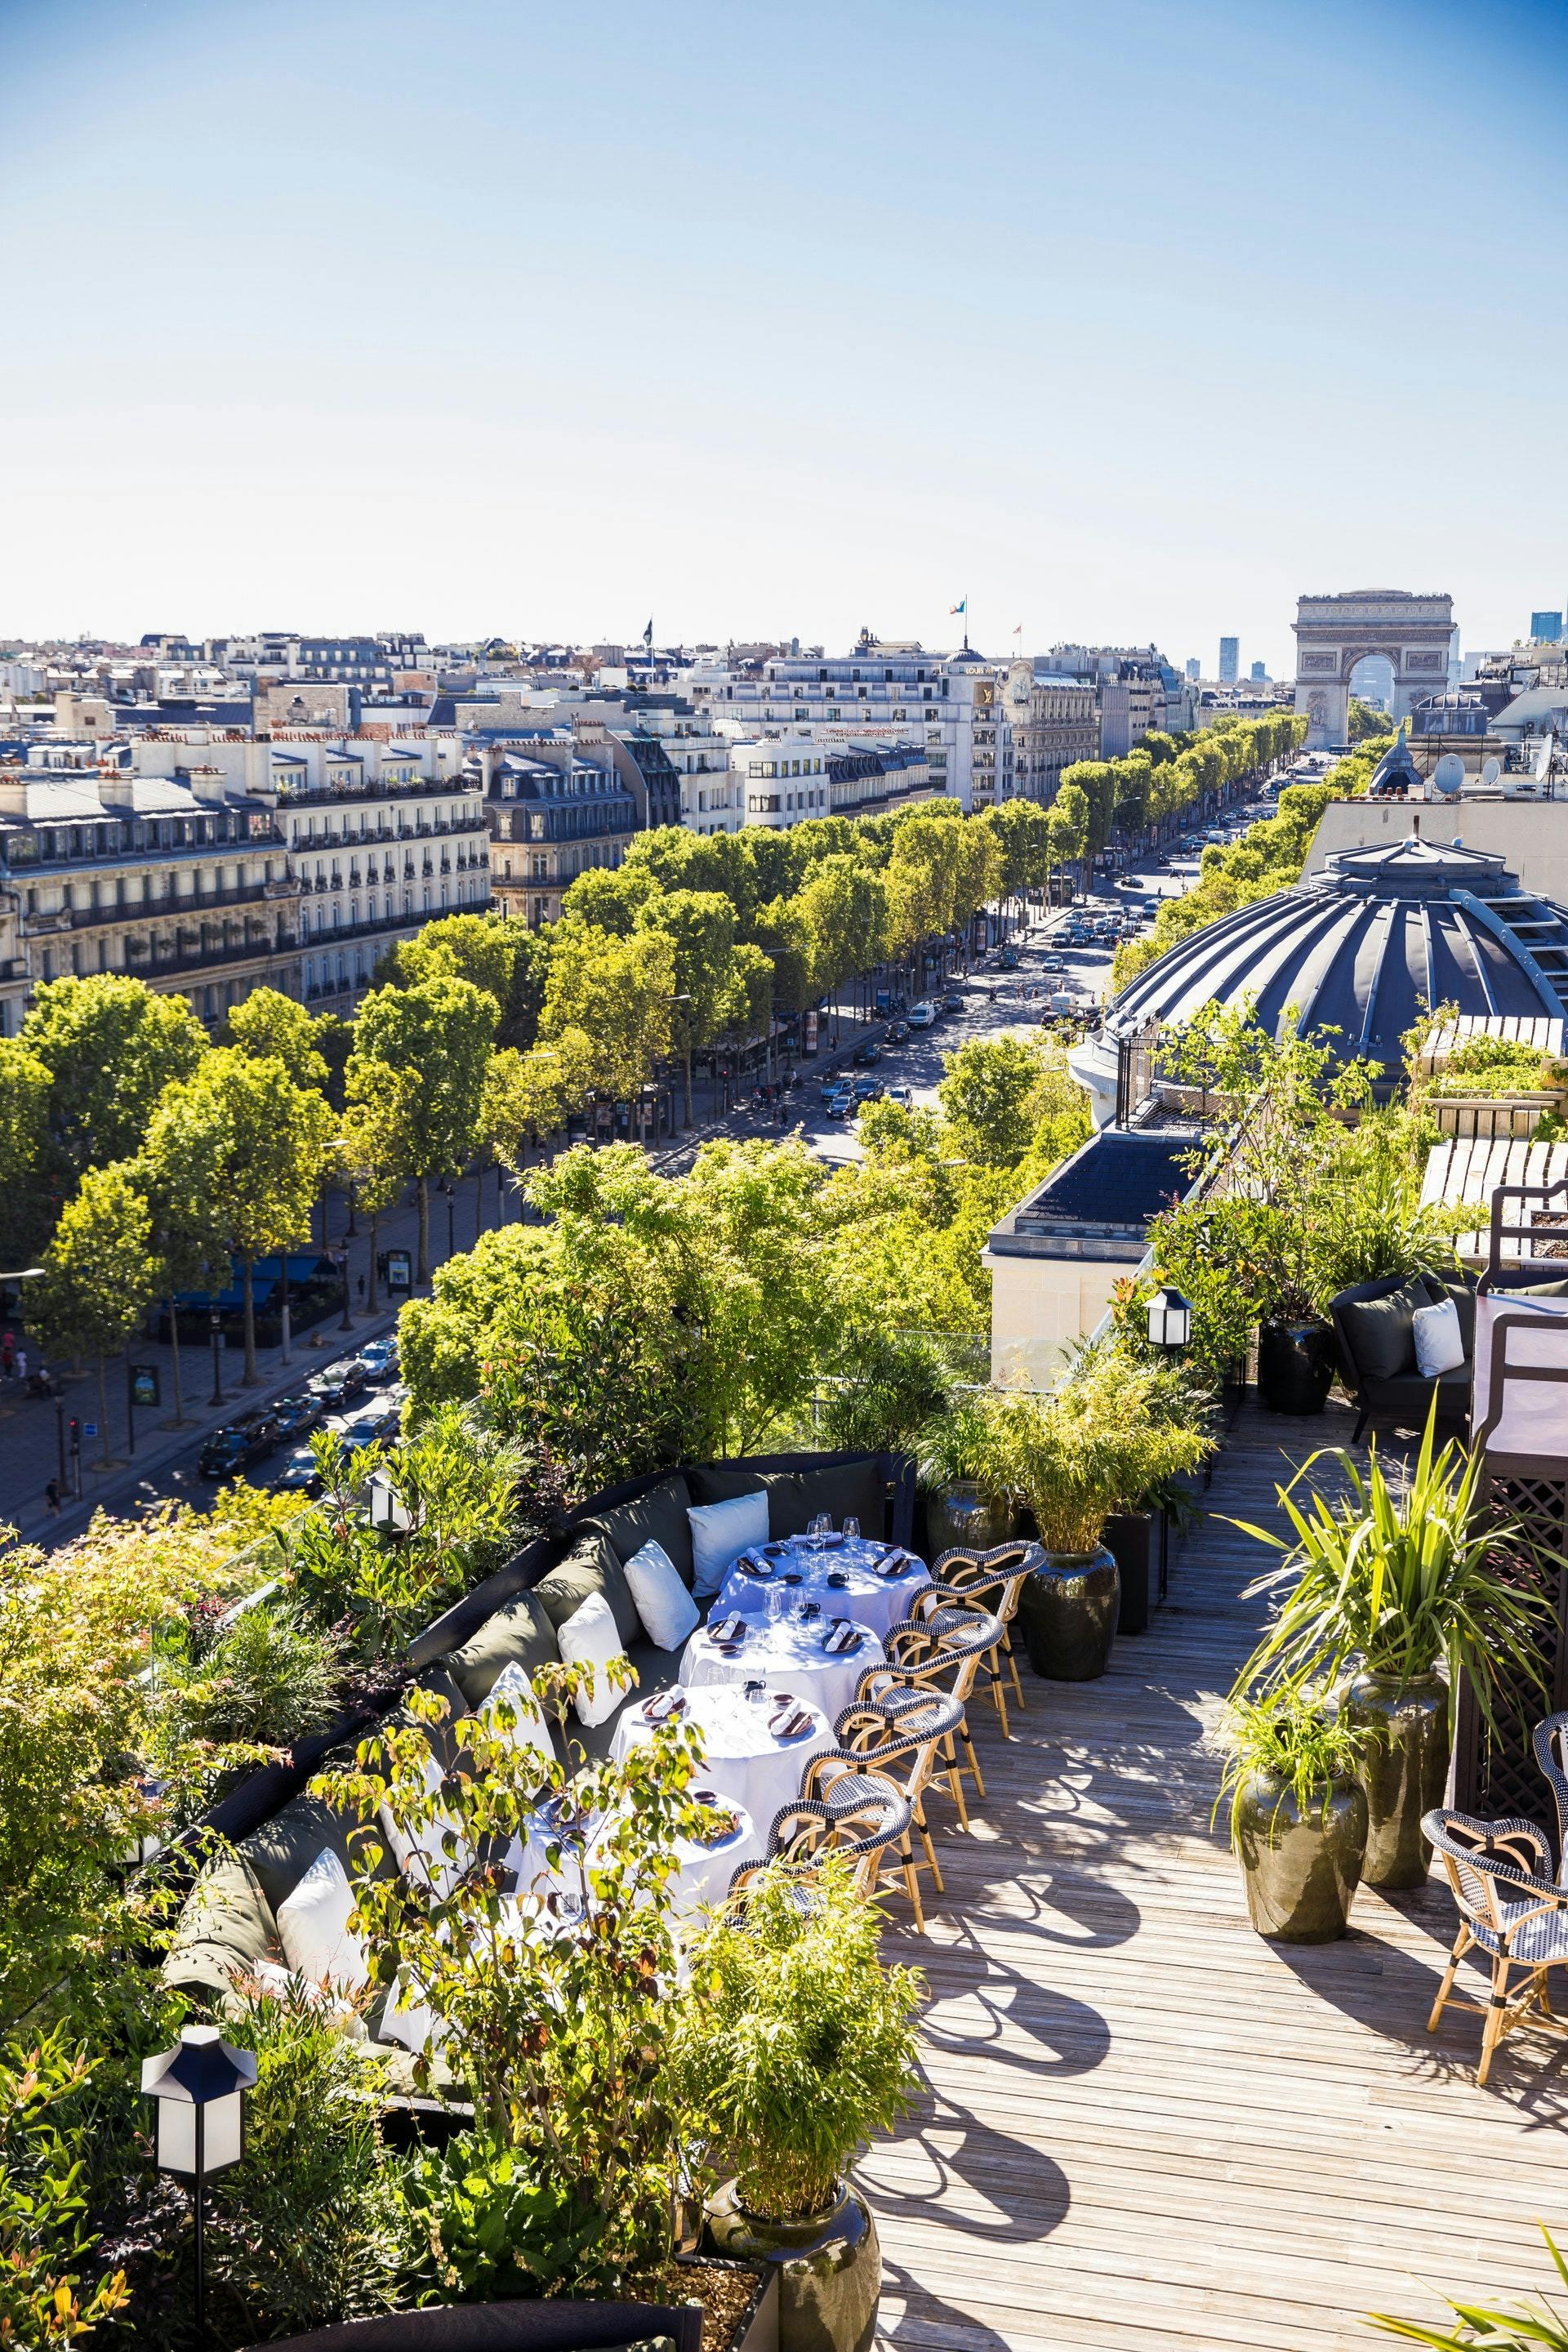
1129,321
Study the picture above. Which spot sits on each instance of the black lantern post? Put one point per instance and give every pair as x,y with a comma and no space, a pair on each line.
1170,1319
200,2087
217,1321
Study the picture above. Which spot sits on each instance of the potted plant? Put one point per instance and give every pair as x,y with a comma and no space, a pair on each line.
1090,1449
1297,1813
953,1461
1403,1589
801,2049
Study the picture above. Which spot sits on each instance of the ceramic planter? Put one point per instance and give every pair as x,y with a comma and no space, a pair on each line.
1129,1537
829,2267
1300,1870
1403,1772
1295,1366
964,1517
1068,1612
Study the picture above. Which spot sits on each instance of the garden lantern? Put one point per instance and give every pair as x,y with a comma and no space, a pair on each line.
389,1514
200,2087
1170,1319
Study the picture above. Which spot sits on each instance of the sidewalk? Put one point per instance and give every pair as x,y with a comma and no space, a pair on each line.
164,1462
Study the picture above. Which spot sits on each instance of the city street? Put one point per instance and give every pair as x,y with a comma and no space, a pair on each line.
164,1462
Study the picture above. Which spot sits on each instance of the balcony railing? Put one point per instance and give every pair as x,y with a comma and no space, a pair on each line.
146,911
146,967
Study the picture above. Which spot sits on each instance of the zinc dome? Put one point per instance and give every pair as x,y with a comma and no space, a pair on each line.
1367,946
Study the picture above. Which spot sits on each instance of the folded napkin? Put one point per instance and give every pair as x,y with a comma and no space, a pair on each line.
825,1543
728,1630
664,1704
898,1563
842,1637
788,1723
754,1563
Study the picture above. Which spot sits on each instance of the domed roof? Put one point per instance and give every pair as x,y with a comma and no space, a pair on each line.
1379,936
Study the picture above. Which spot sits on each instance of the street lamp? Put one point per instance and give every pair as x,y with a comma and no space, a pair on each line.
1170,1319
216,1322
200,2087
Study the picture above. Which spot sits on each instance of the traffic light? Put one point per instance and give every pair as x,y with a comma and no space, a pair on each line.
74,1426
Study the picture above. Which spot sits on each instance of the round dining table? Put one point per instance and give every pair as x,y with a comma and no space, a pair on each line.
790,1652
846,1580
745,1758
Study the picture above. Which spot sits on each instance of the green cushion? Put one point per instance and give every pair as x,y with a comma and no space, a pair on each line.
658,1517
519,1634
225,1930
842,1490
715,1483
282,1851
590,1565
1380,1331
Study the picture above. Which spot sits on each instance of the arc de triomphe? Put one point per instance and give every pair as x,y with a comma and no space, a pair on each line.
1334,632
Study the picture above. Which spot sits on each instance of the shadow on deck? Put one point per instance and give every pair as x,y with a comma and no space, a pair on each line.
1146,2126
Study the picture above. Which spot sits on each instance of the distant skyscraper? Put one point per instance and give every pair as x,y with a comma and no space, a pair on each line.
1230,659
1546,628
1259,674
1195,669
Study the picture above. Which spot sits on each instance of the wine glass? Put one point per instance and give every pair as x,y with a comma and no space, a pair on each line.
820,1526
851,1529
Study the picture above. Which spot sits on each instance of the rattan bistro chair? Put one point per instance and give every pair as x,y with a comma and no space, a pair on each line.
902,1744
1551,1744
942,1651
858,1819
1512,1910
993,1581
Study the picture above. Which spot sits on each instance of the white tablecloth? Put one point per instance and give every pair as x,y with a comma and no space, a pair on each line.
742,1758
881,1603
787,1654
703,1876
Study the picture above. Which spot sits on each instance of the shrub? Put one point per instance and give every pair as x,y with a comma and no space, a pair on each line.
45,2238
265,1677
802,2044
889,1384
480,2224
1096,1446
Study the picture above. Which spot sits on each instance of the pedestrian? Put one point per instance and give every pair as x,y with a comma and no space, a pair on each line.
21,1363
360,1285
52,1497
7,1355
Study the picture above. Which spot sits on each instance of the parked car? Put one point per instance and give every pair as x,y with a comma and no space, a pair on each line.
379,1358
868,1055
923,1015
868,1090
236,1448
902,1095
375,1423
299,1475
335,1383
295,1416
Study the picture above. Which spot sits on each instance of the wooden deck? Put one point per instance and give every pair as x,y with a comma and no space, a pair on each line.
1145,2126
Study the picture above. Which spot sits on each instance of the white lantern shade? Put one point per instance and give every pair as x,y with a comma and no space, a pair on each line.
201,2139
1170,1319
176,2136
200,2087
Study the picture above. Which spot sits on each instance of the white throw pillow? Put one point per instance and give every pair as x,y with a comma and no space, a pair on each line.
531,1729
313,1926
721,1532
667,1610
414,2024
1438,1345
589,1638
422,1856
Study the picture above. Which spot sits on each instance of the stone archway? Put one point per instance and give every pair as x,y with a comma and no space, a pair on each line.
1334,632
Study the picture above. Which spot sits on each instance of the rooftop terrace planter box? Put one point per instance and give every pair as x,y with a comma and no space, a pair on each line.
559,2323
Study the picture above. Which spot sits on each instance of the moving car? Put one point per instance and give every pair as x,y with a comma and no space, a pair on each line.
231,1450
897,1031
1052,964
923,1015
839,1106
1009,959
299,1475
868,1055
868,1090
337,1383
295,1416
953,1002
902,1095
379,1358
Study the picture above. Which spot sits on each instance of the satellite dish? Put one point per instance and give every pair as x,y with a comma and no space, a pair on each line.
1449,773
1491,771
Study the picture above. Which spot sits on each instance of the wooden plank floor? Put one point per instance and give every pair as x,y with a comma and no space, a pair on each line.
1145,2127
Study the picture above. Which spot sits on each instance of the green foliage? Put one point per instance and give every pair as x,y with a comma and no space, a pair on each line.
1290,1738
437,1034
559,2038
887,1386
46,2237
458,1488
480,949
1535,2326
802,2044
270,1026
25,1205
99,1270
483,2224
998,1092
307,2229
265,1678
1092,1446
1366,719
613,999
1400,1579
955,1448
111,1046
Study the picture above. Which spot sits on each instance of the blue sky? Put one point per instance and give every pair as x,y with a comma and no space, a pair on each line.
1130,321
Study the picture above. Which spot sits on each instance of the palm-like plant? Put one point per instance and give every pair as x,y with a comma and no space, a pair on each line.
1096,1446
1481,2329
1400,1580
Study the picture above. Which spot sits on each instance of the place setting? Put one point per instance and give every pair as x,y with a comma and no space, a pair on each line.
757,1737
844,1572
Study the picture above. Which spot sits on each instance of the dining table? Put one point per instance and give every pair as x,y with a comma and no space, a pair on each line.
817,1655
758,1737
846,1576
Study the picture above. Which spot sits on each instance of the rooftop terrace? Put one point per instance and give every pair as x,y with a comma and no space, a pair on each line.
1147,2127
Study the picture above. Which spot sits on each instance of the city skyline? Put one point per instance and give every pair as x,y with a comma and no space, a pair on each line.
773,326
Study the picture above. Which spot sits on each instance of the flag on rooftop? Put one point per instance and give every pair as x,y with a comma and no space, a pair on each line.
962,606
